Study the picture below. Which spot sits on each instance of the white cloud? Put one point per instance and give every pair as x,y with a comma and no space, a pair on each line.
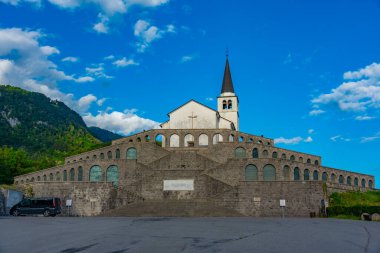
124,62
147,33
101,101
70,59
339,138
308,139
110,7
109,57
32,69
186,58
363,117
85,102
98,71
85,79
292,141
121,122
371,138
310,131
359,92
102,25
316,112
210,99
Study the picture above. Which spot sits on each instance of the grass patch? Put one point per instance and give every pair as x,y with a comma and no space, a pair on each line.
345,217
352,198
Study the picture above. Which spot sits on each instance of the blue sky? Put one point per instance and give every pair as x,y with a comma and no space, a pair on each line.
307,73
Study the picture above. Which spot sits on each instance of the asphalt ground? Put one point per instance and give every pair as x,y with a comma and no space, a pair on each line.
240,234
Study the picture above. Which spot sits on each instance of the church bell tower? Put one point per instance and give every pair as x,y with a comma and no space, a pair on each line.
228,102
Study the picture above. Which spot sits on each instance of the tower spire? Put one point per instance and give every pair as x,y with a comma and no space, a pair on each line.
227,85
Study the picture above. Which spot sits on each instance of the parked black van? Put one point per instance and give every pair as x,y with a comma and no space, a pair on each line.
46,206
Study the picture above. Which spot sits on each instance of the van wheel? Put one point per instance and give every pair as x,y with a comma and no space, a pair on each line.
46,213
15,213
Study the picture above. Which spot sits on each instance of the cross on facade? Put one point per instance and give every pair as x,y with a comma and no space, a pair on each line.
192,117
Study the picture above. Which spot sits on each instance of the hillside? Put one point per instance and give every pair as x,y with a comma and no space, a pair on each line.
103,135
37,132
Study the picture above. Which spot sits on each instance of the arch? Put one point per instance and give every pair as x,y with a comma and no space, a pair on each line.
300,159
315,175
316,162
117,154
240,152
80,173
112,175
45,177
348,180
109,154
189,140
147,138
130,140
94,157
72,174
138,139
96,174
269,172
131,154
251,173
229,104
250,140
255,153
87,157
356,181
341,179
308,161
65,175
306,175
265,153
274,154
283,156
203,140
286,172
51,177
38,178
324,176
231,138
224,104
174,141
333,177
292,158
370,184
241,139
217,138
363,183
260,142
160,140
102,156
32,180
57,176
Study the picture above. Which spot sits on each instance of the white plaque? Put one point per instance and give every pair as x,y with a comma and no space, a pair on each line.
179,185
282,202
69,202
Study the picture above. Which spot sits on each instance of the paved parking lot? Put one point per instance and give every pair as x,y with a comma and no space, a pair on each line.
69,235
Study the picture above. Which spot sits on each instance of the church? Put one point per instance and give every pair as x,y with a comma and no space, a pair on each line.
197,164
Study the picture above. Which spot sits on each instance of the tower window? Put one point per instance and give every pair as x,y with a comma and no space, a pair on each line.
224,104
229,104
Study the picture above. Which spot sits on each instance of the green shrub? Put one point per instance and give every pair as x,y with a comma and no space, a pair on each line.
352,210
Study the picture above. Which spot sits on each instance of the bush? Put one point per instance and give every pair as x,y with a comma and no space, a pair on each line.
352,210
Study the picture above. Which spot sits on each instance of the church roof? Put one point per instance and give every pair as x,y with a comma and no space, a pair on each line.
227,85
192,100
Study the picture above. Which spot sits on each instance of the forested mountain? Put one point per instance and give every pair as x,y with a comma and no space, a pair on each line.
103,135
37,132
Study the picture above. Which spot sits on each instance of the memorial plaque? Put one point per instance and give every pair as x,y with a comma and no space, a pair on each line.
282,203
179,185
